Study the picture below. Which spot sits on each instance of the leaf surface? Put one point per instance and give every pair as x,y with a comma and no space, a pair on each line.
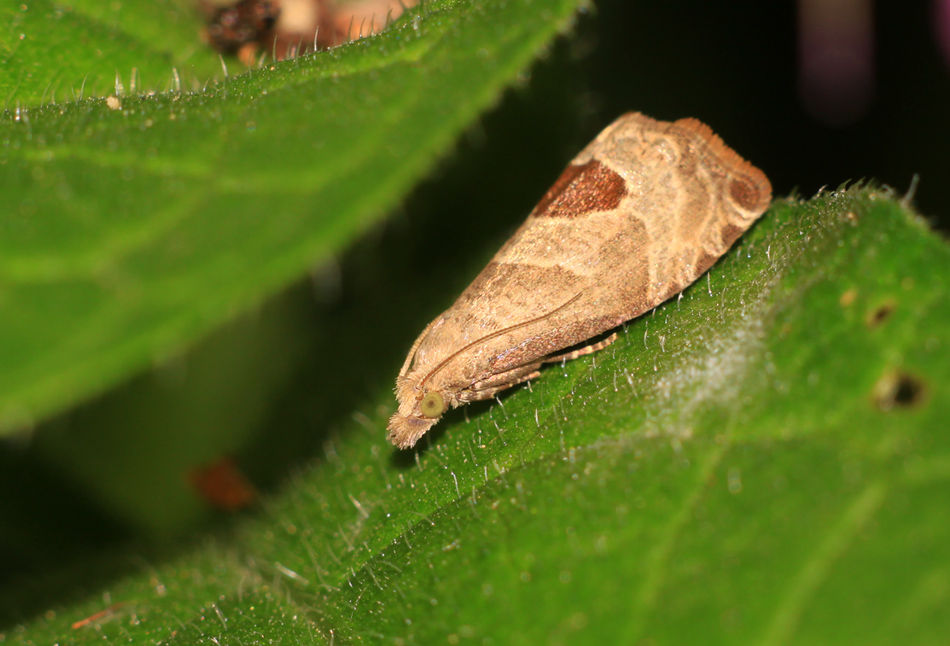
135,225
762,461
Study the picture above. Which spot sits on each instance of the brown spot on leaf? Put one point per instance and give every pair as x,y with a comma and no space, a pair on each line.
880,314
898,390
582,189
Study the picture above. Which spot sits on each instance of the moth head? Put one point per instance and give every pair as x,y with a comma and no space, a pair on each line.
416,415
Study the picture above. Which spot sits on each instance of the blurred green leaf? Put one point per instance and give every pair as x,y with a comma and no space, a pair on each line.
762,461
58,52
134,226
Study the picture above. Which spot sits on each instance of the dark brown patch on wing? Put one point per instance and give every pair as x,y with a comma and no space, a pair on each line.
749,188
582,189
569,175
748,194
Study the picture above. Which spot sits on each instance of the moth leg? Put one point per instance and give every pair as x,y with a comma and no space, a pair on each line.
580,352
478,395
488,388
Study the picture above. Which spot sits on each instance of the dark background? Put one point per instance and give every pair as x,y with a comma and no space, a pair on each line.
737,66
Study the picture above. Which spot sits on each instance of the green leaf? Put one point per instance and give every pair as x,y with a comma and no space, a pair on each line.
133,227
762,461
54,51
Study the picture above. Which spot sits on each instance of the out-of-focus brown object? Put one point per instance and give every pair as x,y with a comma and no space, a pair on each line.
284,29
222,485
231,27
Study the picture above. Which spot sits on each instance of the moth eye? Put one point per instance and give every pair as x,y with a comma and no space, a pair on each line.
432,405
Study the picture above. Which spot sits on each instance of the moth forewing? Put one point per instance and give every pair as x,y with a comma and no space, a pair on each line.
637,216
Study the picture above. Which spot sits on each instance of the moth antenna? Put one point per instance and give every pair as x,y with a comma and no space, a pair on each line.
494,334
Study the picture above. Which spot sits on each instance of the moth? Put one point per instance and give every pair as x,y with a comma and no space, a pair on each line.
642,212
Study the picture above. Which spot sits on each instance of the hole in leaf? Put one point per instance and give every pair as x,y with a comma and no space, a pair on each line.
898,390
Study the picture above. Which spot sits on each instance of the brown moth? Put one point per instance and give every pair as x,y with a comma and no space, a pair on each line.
637,216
